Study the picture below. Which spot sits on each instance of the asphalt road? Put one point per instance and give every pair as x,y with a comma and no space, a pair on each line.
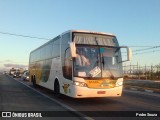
27,99
16,97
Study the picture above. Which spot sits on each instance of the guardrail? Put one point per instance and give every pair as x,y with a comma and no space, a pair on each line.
142,85
144,89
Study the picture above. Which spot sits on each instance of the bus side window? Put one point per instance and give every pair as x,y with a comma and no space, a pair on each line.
67,68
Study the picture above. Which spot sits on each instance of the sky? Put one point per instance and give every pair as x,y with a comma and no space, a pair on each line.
136,23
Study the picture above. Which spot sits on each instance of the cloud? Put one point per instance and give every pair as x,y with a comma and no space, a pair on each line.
8,61
15,65
5,61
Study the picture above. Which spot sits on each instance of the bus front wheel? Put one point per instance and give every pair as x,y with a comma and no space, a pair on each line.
56,89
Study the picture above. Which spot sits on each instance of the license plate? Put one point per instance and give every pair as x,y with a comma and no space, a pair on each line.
101,92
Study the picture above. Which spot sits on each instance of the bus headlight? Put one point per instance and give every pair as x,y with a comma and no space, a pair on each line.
81,84
119,83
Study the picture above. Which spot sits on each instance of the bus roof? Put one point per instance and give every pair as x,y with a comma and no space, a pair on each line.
78,31
88,31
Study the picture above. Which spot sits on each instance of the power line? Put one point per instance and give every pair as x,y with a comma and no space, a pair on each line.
139,50
147,52
19,35
146,48
144,52
140,46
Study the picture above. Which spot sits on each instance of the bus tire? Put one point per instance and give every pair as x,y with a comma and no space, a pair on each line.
34,81
56,88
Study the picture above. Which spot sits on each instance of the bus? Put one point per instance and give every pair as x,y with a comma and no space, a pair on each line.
56,64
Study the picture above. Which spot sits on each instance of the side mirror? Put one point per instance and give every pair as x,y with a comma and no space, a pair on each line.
129,53
73,49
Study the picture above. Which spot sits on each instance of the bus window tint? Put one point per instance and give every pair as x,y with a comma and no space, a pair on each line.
67,68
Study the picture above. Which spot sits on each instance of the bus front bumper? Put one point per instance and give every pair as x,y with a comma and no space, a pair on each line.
85,92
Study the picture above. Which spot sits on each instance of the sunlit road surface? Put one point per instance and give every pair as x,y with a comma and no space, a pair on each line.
16,97
129,101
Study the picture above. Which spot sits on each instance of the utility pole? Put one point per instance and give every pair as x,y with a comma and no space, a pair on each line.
137,71
145,72
151,72
130,70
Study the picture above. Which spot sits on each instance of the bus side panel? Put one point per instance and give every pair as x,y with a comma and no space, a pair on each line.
54,73
32,70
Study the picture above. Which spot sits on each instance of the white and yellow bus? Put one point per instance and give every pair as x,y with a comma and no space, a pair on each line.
57,65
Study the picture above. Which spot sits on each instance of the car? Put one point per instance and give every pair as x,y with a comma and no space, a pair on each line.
25,75
16,74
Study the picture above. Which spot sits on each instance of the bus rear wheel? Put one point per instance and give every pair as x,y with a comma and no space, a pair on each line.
34,81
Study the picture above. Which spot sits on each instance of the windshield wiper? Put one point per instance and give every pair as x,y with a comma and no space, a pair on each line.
103,62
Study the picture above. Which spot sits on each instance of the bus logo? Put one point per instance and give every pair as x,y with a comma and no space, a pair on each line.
93,81
6,114
65,87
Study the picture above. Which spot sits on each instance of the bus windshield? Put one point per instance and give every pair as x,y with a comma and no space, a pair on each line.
97,62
